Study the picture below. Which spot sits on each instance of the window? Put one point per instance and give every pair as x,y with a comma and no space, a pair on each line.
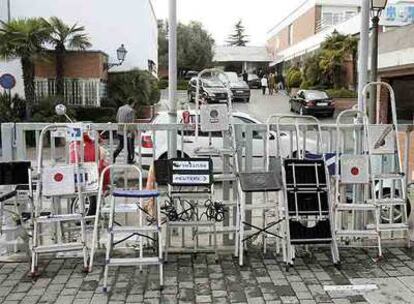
349,15
327,19
290,34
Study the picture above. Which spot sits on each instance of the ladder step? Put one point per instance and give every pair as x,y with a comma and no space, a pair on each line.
191,224
388,201
59,247
224,177
132,229
359,207
134,261
389,176
135,193
58,218
260,206
121,208
357,233
393,227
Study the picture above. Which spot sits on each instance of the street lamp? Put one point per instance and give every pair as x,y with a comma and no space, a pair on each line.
377,6
121,53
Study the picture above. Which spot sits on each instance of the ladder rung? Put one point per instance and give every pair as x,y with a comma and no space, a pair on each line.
360,207
224,177
358,233
134,261
393,227
132,229
58,218
59,247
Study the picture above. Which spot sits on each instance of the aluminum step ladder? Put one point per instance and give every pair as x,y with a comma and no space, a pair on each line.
387,172
141,230
357,217
307,204
56,182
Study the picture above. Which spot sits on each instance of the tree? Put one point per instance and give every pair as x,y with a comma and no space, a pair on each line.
24,39
238,38
62,37
194,47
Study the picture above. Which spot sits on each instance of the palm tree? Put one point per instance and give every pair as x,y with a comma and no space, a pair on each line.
63,36
24,39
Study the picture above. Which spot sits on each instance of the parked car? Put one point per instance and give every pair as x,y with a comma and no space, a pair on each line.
190,74
312,102
239,88
211,89
190,144
254,81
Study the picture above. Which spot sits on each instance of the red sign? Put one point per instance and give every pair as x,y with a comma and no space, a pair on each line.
355,171
58,177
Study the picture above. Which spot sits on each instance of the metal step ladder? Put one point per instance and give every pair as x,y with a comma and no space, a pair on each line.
142,231
356,211
388,181
56,182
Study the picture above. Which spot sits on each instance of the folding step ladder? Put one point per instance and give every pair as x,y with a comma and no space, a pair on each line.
307,206
142,231
353,195
56,182
15,200
388,180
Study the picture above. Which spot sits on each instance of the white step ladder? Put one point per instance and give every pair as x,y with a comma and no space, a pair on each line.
141,230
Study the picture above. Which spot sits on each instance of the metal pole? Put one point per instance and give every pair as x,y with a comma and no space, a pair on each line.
372,111
8,11
172,75
363,53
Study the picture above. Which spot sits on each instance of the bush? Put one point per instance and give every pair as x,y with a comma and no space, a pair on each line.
181,84
44,111
163,84
294,78
11,110
305,85
142,86
98,115
342,93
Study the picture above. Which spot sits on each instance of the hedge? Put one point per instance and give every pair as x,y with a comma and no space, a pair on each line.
342,93
99,115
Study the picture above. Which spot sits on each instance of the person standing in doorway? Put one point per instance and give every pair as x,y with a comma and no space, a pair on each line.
271,83
126,115
264,84
245,76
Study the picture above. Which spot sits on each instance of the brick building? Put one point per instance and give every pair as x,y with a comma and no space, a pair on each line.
85,77
304,29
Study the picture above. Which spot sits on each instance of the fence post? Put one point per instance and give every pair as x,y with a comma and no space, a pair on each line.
7,140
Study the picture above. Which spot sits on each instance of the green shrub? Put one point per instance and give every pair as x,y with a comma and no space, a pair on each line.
181,84
294,78
163,84
11,110
142,86
305,85
44,111
98,115
342,93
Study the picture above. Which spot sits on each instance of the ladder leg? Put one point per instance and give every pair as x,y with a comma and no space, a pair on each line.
241,234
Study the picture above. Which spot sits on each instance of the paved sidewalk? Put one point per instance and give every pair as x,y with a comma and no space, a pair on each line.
198,279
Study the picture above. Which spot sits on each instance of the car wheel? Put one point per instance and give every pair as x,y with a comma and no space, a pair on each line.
190,97
397,213
90,205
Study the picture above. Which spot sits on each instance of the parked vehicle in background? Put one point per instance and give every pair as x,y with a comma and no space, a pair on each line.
212,90
312,102
253,81
238,87
190,74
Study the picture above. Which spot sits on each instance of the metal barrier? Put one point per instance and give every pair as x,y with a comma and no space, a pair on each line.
19,141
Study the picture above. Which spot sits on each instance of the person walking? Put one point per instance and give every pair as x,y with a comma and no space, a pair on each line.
126,115
264,84
272,83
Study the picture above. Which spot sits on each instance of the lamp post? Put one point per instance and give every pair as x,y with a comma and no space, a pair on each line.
377,6
121,53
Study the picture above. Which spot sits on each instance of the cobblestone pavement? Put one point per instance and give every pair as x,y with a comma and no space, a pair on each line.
199,279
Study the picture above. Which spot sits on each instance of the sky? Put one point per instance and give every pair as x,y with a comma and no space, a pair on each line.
219,16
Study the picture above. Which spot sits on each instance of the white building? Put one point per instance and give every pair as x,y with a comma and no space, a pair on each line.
109,24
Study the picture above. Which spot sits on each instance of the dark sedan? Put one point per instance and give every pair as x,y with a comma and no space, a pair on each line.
211,89
312,102
238,87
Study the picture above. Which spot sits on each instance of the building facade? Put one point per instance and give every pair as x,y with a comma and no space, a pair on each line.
108,23
307,20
